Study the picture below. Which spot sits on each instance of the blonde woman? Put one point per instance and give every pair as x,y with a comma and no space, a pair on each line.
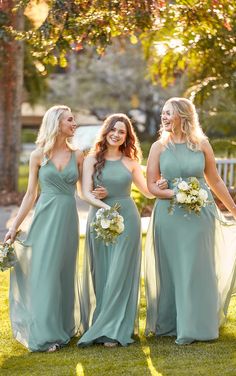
44,296
189,275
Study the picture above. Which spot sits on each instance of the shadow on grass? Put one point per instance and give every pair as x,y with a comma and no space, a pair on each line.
200,358
94,360
148,356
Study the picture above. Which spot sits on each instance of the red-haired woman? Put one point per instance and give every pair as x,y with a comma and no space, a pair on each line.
111,275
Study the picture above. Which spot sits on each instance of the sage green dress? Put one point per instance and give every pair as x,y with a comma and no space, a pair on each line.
111,273
44,287
190,261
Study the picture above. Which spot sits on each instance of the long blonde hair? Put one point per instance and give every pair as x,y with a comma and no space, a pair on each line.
190,126
49,129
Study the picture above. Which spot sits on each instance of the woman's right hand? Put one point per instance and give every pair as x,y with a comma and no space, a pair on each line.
162,183
100,192
10,235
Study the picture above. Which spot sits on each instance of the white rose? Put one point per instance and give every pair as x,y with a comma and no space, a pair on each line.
183,186
99,212
194,192
203,194
181,197
120,218
105,223
120,227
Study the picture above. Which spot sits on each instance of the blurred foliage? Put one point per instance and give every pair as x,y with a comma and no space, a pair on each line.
177,36
224,148
197,37
28,135
145,146
217,113
143,203
220,124
23,177
72,24
194,38
34,82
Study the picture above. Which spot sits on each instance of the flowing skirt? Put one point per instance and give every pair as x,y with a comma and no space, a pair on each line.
111,280
44,286
190,270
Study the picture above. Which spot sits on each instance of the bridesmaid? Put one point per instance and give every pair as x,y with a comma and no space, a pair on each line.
112,273
190,276
44,296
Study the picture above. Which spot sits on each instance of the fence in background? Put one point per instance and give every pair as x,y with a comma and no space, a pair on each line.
227,170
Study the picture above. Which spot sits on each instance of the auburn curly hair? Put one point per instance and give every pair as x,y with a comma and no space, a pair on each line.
130,148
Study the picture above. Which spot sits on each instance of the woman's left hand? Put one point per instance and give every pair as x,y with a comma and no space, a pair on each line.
100,192
162,183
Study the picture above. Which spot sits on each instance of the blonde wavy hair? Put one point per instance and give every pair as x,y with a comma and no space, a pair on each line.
49,128
190,126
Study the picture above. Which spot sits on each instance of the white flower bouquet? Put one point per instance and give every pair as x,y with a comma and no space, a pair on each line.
189,195
109,224
7,256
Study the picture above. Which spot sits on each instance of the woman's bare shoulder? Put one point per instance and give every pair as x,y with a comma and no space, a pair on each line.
205,146
90,159
157,147
37,156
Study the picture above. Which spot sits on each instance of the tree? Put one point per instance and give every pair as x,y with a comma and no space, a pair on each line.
196,37
11,83
69,25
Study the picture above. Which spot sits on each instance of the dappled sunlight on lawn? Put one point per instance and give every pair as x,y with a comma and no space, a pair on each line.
147,356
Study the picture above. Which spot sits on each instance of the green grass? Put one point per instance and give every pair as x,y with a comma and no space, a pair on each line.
148,356
23,177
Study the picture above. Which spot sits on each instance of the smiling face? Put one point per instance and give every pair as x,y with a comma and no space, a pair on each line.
117,135
67,124
171,121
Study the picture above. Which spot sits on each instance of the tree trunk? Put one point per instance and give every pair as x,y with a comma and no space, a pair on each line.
11,85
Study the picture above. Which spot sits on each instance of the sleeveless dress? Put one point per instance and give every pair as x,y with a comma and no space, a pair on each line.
189,268
44,290
111,273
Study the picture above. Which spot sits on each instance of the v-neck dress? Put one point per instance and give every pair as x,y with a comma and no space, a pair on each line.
44,286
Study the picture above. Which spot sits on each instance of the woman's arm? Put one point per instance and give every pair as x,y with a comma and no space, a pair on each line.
29,197
87,183
99,192
140,181
153,173
214,180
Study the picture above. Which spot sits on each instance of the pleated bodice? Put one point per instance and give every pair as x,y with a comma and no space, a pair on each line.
53,181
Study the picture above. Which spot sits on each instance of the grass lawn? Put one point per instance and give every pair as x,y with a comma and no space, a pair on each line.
148,356
23,177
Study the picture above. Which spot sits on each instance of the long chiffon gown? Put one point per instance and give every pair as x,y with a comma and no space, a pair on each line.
44,289
190,260
111,274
